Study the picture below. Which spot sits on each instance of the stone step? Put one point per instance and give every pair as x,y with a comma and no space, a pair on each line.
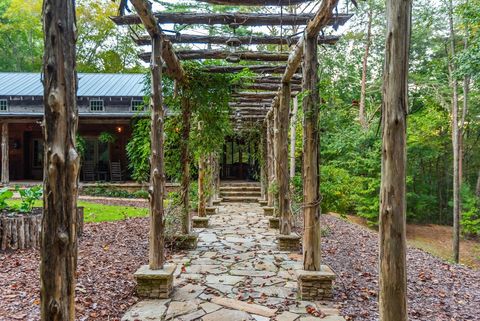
240,193
239,188
239,199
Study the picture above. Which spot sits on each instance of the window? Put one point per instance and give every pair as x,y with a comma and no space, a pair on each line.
3,105
137,105
96,105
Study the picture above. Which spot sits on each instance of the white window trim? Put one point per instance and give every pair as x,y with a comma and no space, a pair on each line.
96,100
6,104
137,100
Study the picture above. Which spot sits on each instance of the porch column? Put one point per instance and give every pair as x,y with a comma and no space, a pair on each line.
281,171
5,158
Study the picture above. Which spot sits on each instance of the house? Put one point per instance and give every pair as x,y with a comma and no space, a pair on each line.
106,105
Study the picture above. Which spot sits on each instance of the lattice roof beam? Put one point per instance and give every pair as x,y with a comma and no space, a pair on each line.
255,2
222,54
245,40
239,18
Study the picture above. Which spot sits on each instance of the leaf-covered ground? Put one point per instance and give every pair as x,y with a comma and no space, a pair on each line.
110,252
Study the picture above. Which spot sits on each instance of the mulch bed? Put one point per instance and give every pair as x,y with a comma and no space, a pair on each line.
437,290
109,253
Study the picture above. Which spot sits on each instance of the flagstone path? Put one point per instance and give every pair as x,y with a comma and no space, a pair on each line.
235,274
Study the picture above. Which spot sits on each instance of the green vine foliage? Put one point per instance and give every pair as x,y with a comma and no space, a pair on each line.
209,95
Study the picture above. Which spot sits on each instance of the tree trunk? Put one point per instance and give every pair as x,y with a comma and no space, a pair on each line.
282,174
157,175
202,212
477,189
392,233
293,136
270,160
58,252
185,159
5,157
311,175
455,142
363,91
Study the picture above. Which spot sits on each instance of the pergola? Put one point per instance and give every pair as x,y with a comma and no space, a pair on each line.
274,86
265,101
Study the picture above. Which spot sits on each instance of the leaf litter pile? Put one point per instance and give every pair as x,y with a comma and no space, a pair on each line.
109,254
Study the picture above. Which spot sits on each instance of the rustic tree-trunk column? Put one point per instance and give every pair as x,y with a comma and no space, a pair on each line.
271,162
201,186
157,175
264,162
185,158
5,156
293,136
392,274
311,175
282,172
58,253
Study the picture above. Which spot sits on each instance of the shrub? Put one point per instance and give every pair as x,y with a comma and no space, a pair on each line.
28,196
5,194
470,221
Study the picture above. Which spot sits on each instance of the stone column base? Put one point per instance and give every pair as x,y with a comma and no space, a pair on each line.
183,241
288,242
268,210
262,202
315,285
274,222
198,222
155,284
211,210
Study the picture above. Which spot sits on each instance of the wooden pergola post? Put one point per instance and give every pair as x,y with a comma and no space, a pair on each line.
157,175
58,250
293,136
201,186
5,157
264,164
393,270
185,159
155,280
282,173
311,175
270,160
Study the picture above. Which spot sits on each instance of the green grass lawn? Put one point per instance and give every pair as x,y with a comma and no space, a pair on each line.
95,212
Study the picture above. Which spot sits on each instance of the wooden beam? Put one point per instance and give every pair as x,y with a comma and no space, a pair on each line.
258,95
61,163
222,54
296,79
145,16
251,100
240,18
270,157
392,221
5,154
261,69
268,87
256,2
321,19
244,40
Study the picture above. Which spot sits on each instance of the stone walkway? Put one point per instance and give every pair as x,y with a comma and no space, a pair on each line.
235,274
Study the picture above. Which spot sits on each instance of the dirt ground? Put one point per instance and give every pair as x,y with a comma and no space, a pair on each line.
435,239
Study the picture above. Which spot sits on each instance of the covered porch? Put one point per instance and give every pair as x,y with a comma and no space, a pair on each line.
101,142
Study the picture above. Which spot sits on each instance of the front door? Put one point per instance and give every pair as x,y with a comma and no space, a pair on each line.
99,153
